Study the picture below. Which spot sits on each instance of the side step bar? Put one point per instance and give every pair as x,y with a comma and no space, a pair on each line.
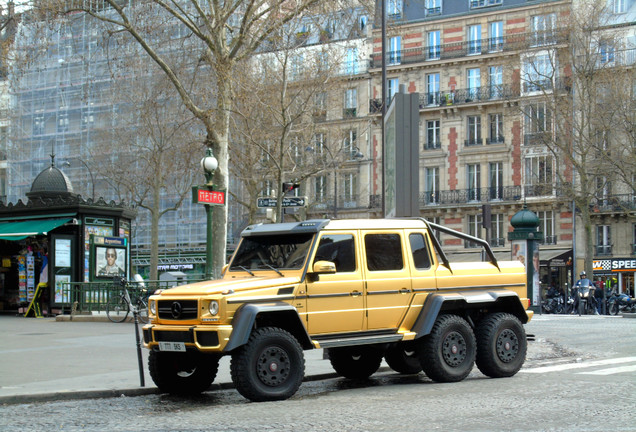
367,340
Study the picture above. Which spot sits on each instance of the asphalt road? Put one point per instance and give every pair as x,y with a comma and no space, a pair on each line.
580,376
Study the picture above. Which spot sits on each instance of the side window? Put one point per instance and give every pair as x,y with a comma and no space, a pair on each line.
421,257
384,252
339,249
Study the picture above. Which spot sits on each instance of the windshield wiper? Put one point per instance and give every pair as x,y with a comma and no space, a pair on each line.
247,270
272,268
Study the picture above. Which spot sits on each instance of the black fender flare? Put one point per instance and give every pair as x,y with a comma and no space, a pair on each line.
284,314
505,300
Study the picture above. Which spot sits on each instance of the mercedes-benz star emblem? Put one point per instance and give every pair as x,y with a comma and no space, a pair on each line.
176,310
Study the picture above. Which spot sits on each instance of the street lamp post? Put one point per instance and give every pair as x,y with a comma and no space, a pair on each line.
209,165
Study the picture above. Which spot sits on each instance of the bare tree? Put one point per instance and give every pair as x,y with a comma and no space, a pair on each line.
569,80
148,157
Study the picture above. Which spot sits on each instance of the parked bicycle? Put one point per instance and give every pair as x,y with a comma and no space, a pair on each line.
120,301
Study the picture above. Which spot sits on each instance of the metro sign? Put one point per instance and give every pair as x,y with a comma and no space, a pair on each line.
205,195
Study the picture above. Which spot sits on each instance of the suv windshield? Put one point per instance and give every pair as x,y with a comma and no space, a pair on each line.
278,251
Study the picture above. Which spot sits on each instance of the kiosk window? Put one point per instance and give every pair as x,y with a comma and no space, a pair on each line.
339,249
384,252
421,258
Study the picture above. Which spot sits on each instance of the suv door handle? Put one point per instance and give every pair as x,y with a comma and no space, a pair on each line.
404,291
356,293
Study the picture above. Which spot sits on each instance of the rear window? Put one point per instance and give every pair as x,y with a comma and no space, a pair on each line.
384,252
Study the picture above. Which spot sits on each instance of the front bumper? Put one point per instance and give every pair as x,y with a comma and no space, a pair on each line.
201,337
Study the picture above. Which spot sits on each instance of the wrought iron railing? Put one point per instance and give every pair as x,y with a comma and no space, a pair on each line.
465,196
614,203
603,250
469,48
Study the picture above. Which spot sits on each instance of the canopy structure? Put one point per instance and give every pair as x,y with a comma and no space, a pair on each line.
23,229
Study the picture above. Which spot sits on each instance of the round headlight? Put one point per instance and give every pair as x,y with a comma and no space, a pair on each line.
153,307
214,307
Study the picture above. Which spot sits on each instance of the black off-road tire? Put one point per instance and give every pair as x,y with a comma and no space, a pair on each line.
270,366
401,357
356,362
501,345
186,373
447,354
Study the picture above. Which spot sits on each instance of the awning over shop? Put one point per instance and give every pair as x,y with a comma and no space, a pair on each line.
23,229
555,257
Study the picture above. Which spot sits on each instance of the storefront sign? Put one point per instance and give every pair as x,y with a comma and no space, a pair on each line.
615,265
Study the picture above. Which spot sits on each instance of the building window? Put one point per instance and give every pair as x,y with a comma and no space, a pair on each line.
394,8
539,178
495,81
474,39
474,229
473,181
543,29
603,240
546,224
497,232
351,61
349,144
320,188
538,73
619,6
320,106
431,185
433,140
474,131
484,3
634,241
62,122
267,188
38,124
495,43
606,53
395,50
392,85
537,124
432,89
433,7
495,131
88,119
474,83
433,39
350,103
495,180
350,190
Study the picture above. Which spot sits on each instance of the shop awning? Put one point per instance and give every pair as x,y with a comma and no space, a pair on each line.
555,257
23,229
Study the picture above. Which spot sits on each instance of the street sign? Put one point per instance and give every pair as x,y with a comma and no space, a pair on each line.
287,202
206,195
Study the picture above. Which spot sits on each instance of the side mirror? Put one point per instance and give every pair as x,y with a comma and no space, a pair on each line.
323,267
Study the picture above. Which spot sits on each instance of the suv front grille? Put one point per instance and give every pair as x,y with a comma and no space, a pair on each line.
177,309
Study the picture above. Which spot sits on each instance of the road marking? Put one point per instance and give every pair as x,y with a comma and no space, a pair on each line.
611,371
582,365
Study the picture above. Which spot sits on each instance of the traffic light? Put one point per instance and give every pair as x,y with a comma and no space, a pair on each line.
289,186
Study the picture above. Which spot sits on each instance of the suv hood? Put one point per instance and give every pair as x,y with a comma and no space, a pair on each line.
224,285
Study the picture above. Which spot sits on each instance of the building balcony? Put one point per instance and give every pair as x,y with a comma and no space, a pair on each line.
537,138
613,203
473,142
496,140
453,51
549,240
469,95
468,196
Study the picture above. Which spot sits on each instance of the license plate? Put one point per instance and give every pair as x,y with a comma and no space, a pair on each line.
172,346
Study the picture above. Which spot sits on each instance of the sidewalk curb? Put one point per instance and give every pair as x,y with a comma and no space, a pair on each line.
129,392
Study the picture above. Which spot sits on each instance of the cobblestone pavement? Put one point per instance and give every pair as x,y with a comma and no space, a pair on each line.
578,377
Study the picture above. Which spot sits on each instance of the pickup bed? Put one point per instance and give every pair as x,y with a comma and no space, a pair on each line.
363,290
